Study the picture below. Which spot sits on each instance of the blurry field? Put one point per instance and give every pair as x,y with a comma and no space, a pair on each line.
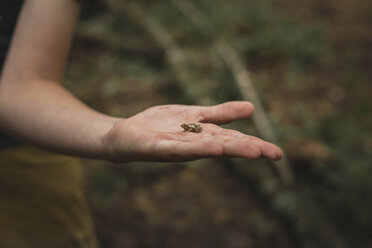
311,62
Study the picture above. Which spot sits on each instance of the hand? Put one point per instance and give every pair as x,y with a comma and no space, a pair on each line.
156,135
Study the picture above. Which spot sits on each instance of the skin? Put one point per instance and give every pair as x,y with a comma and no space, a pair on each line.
36,108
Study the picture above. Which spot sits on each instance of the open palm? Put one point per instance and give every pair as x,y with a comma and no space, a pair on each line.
156,135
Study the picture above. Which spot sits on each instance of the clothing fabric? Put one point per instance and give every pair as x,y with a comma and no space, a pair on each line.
42,202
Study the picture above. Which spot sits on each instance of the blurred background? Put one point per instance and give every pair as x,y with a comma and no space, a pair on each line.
310,65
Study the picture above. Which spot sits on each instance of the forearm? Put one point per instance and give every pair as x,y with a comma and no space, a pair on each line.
33,105
45,114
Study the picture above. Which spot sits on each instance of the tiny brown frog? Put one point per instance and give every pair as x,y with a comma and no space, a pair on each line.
192,127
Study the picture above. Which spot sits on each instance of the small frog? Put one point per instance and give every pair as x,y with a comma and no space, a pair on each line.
192,127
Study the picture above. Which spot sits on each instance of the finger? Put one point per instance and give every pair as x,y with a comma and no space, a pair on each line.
241,148
268,149
253,147
232,133
247,146
226,112
171,150
235,142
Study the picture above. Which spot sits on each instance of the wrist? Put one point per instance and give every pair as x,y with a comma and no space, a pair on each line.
109,142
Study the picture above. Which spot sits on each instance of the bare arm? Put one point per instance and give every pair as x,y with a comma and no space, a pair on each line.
33,104
35,107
